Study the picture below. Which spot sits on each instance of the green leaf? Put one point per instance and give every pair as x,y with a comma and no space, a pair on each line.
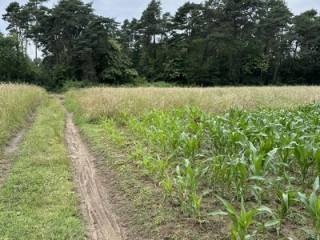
230,209
264,209
316,185
257,178
272,223
303,198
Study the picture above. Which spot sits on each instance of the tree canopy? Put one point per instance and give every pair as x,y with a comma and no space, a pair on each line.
217,42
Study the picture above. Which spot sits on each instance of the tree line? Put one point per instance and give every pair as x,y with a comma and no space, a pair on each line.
216,42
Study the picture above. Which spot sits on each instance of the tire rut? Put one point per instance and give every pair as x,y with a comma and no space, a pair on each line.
9,150
101,221
11,147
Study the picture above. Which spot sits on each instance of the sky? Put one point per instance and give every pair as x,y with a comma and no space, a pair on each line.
123,9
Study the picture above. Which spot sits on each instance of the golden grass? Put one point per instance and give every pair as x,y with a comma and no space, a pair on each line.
97,102
16,102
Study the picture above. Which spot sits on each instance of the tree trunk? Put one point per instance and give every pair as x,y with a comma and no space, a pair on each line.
276,72
36,53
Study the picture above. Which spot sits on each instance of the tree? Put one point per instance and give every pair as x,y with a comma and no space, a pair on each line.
216,42
273,30
16,18
33,10
76,43
150,23
14,65
306,40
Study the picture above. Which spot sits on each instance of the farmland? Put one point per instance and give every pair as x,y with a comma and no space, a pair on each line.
241,162
159,120
102,102
160,163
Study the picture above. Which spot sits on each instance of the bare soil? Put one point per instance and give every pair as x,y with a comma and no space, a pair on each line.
11,147
102,223
9,150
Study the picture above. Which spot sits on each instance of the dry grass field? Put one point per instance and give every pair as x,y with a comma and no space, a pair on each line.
16,103
97,102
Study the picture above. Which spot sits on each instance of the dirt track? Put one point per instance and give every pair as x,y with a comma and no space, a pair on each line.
101,222
9,150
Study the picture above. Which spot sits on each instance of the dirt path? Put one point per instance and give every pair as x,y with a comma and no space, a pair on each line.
9,150
102,224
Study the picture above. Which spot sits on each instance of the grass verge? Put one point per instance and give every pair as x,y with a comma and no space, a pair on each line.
38,199
16,103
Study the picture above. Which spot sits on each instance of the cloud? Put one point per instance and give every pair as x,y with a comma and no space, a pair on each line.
123,9
298,6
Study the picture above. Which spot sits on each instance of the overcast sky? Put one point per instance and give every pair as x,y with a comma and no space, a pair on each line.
122,9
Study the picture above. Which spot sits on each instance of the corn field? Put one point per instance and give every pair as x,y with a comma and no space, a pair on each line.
257,169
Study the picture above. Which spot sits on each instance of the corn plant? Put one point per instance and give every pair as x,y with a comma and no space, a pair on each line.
239,155
238,175
110,127
285,151
168,186
187,183
304,156
316,157
257,160
240,220
190,144
285,201
312,205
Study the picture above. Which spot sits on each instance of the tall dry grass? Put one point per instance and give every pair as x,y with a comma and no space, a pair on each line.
16,103
97,102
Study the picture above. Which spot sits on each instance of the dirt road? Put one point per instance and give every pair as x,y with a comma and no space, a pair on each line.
101,222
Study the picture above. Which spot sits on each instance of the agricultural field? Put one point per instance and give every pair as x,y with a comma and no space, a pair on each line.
215,163
113,127
160,163
102,102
